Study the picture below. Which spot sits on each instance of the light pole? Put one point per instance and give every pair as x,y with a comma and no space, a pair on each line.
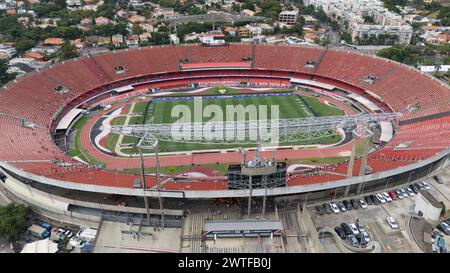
144,185
154,146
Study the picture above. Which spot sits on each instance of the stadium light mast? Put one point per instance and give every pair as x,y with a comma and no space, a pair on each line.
148,141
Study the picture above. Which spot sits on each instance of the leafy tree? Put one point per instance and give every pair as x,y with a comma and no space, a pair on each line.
325,42
230,38
137,29
346,37
334,25
13,220
249,6
4,76
68,51
321,15
23,45
399,53
159,38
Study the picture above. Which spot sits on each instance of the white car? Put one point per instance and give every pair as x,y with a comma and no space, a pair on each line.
392,223
386,196
76,242
354,229
362,203
334,207
69,234
426,185
410,192
404,192
380,198
365,236
399,194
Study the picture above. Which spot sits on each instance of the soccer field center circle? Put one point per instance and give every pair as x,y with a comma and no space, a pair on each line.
38,109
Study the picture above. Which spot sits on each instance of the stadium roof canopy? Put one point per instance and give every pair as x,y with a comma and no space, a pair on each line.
213,226
365,102
68,118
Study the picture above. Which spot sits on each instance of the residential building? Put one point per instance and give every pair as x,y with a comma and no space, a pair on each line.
288,17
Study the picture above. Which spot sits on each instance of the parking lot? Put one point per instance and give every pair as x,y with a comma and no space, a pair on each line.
374,219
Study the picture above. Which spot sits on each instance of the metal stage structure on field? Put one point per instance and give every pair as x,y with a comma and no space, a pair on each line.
248,132
252,131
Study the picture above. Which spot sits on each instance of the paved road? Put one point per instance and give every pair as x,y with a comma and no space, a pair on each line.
3,199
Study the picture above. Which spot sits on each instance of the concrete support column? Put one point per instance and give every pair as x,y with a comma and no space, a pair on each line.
365,155
265,195
249,209
352,156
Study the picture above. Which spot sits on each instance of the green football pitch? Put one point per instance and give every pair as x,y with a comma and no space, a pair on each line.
292,106
288,107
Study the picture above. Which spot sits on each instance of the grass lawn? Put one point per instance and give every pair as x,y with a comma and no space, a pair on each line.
78,149
139,107
111,142
321,109
118,121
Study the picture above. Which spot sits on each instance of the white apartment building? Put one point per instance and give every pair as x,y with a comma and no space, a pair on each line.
350,15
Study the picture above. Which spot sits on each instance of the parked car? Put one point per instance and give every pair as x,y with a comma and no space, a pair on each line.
426,185
410,191
362,204
352,240
413,188
61,231
334,207
365,237
393,195
375,200
418,187
392,223
346,228
386,197
347,205
380,198
327,208
360,227
319,210
354,229
438,179
354,204
444,227
76,242
399,194
404,192
47,226
68,234
368,200
340,232
341,206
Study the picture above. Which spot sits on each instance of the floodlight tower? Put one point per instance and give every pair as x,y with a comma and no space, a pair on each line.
361,132
150,142
258,167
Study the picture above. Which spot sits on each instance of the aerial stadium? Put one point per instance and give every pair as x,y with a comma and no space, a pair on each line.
93,137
